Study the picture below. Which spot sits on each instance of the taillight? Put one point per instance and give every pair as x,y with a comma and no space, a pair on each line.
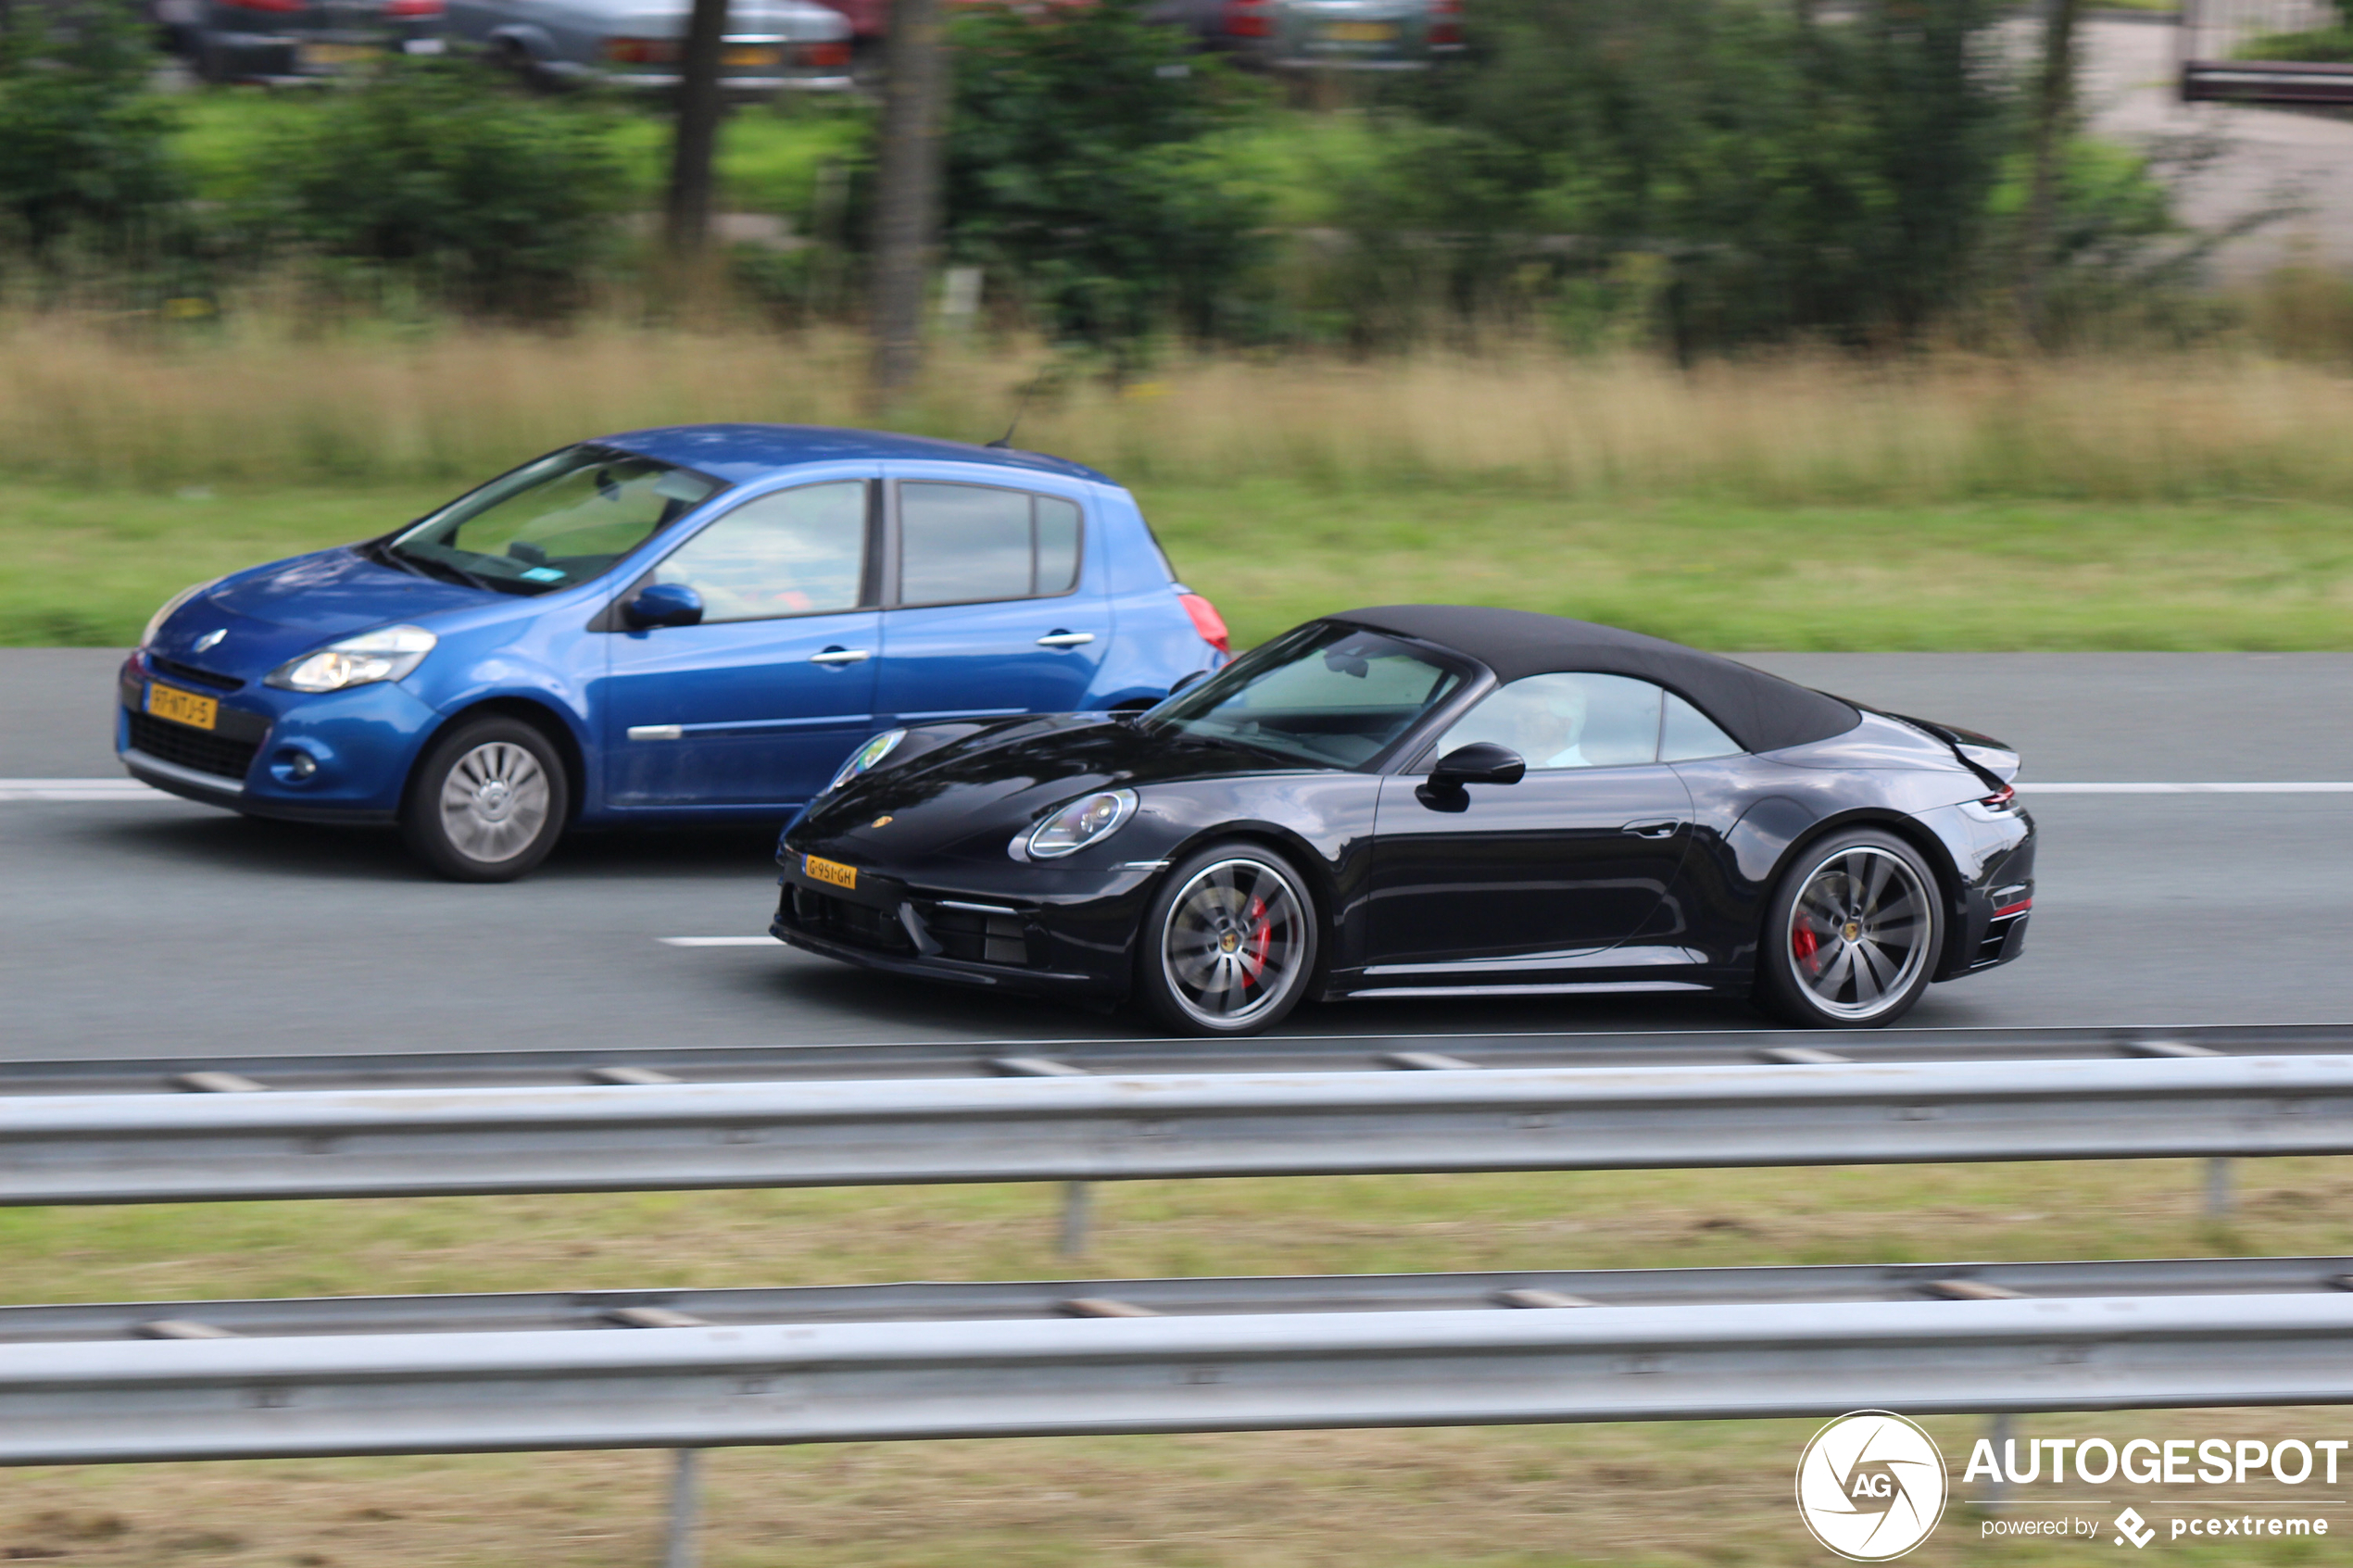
2018,908
1247,19
829,54
1207,621
1446,21
642,51
278,7
413,8
2002,802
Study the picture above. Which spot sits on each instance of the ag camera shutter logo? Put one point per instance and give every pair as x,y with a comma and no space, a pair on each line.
1871,1486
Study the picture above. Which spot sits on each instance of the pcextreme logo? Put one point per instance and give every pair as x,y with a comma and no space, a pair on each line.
1871,1486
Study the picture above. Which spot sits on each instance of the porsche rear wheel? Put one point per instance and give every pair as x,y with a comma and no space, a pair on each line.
1853,935
1230,943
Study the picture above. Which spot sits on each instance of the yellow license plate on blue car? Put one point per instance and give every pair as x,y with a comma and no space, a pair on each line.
182,708
821,870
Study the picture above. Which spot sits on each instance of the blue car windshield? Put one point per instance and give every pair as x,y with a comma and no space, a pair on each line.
1324,695
562,520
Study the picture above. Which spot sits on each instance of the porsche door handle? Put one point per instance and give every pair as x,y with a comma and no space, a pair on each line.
1653,830
841,655
1065,639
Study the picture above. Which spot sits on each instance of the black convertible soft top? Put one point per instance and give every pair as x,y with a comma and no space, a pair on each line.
1762,712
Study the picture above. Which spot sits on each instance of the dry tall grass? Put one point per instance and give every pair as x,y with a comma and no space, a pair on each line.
272,409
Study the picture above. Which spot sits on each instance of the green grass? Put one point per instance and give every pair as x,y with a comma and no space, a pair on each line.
1686,1494
768,158
88,567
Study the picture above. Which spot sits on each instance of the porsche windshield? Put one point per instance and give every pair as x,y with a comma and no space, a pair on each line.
560,520
1329,696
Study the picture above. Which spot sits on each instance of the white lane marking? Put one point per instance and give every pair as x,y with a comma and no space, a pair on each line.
717,941
79,789
2294,786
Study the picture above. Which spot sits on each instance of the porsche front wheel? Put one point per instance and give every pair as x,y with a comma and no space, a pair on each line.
1853,933
1230,943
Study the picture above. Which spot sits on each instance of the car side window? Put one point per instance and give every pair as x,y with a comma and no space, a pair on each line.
962,544
1688,734
1566,721
796,552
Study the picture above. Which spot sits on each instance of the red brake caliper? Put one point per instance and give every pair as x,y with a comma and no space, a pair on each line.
1262,936
1802,943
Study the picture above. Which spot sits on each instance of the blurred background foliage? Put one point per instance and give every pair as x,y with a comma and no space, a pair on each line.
1697,177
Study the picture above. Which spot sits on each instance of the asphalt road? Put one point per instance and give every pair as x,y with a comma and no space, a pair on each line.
161,927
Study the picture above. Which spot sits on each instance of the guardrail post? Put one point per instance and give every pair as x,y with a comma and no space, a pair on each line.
1078,1198
678,1546
2218,1188
1998,1433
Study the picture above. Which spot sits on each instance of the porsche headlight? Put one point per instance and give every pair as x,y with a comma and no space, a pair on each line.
1088,819
154,621
384,654
866,757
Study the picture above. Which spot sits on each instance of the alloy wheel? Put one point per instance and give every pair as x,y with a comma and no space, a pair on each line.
495,802
1859,931
1235,942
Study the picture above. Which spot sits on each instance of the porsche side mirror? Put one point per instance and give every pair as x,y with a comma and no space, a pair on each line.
1481,762
1189,678
664,604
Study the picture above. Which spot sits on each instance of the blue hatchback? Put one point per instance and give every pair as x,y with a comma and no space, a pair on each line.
691,624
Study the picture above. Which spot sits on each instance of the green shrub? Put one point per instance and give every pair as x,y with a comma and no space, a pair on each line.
84,153
1079,168
432,177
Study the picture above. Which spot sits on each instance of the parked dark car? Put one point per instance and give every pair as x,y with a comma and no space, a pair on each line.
284,41
1348,35
1431,801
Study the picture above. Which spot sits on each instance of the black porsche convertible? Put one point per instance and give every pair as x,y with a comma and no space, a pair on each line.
1429,801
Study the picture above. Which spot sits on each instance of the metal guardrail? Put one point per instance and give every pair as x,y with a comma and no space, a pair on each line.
606,1310
965,1058
103,1402
2210,35
414,1141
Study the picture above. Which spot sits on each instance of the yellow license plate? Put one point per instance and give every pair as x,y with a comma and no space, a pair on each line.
182,708
753,56
1361,32
337,54
829,871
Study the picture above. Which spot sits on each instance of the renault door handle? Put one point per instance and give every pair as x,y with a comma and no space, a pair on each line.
1065,639
840,656
1653,830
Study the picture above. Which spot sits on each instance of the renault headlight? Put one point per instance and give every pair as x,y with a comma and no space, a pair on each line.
385,655
1088,819
170,606
866,757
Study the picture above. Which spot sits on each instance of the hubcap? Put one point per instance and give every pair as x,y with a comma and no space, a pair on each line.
1859,931
495,802
1234,942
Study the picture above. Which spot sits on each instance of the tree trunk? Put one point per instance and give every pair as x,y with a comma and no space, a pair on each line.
687,225
2054,124
907,192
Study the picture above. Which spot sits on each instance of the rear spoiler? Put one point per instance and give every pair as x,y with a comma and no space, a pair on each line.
1983,755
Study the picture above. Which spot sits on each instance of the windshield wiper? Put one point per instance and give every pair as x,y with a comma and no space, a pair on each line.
383,553
453,572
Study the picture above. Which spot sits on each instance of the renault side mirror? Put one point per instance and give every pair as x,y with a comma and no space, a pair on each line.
664,604
1481,762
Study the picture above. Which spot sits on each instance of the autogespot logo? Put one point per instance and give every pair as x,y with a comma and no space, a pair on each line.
1871,1486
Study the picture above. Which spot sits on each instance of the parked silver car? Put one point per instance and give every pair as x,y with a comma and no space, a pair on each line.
771,45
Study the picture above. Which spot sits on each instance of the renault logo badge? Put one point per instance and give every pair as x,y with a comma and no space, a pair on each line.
210,640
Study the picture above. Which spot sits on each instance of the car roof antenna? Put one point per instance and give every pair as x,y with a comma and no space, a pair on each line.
1020,408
